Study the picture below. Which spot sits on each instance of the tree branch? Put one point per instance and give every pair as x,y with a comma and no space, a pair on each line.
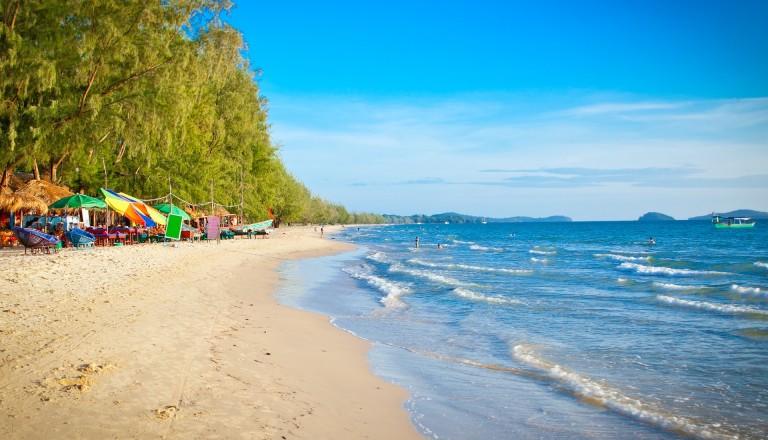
112,88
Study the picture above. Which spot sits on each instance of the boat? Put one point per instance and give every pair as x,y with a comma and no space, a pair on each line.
256,227
732,222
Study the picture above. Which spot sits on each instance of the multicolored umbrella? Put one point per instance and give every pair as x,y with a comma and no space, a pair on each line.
132,208
77,201
172,209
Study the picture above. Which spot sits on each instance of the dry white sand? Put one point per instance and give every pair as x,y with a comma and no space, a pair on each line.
150,341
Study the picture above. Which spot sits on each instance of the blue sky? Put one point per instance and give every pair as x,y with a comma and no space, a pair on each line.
598,110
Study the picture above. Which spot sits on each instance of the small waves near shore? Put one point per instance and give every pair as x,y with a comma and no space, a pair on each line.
563,330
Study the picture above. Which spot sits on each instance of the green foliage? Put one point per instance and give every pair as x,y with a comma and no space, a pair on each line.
137,92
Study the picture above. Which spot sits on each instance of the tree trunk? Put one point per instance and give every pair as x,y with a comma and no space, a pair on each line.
55,165
37,171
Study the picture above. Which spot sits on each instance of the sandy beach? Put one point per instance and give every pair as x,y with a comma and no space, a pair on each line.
150,341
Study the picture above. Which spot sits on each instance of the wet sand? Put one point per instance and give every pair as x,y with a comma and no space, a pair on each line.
151,341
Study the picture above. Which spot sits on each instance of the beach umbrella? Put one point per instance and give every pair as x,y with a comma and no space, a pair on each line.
172,209
153,213
132,208
77,201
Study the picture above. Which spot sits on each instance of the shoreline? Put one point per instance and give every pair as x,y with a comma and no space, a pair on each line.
187,342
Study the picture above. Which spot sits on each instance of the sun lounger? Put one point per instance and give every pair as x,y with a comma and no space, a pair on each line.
33,240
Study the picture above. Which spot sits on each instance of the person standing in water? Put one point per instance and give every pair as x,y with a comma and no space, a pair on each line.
417,241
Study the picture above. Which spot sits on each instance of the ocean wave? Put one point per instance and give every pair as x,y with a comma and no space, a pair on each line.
469,267
393,291
713,307
748,290
477,247
622,257
474,296
379,257
432,276
540,260
614,399
540,252
667,271
676,287
761,264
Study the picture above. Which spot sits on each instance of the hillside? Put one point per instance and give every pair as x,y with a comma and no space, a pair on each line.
453,217
654,217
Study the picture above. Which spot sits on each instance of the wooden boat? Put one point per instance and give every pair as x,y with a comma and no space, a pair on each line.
255,227
259,228
732,222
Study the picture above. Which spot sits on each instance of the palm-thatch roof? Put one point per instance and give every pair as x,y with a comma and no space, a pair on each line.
14,202
17,180
46,191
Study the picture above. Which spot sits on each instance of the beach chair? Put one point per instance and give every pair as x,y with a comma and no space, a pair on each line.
33,240
80,238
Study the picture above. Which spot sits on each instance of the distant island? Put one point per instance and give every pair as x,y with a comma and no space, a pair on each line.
737,213
452,217
654,217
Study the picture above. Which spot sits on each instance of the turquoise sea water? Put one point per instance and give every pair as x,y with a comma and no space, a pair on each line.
558,330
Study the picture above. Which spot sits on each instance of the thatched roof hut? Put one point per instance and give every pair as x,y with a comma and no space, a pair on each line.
14,202
205,211
46,191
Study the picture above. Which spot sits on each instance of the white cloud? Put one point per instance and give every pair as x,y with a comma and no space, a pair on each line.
361,152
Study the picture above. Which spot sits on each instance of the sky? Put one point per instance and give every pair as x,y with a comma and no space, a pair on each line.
596,110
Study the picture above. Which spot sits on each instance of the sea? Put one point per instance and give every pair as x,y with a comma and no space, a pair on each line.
577,330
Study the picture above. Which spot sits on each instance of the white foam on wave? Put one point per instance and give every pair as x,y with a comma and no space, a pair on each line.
540,252
667,271
475,296
613,398
477,247
432,276
393,291
622,257
540,260
761,264
469,267
379,257
748,290
712,307
676,287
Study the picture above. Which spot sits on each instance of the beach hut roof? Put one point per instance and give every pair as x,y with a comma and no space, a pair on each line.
17,180
46,191
218,211
14,202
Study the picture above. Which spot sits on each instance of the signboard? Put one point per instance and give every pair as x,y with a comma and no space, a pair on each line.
212,228
173,228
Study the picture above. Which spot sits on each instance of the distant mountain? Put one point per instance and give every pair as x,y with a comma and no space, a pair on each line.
453,217
654,217
552,218
737,213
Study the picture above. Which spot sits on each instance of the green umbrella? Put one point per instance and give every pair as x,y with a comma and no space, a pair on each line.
76,201
172,209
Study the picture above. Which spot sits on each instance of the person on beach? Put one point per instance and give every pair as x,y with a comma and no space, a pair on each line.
322,231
